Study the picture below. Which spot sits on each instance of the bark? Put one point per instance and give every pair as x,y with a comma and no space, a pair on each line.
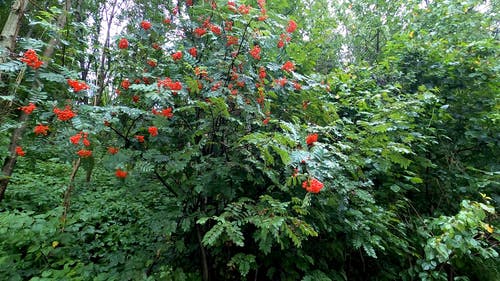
7,45
204,258
15,140
84,64
67,193
10,161
11,28
61,22
105,62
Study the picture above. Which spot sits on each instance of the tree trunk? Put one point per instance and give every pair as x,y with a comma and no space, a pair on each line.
67,193
11,28
10,161
204,258
61,22
7,45
105,62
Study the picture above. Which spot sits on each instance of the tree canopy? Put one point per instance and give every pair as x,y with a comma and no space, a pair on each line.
249,140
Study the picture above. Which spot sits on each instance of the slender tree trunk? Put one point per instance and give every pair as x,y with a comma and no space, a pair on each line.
61,22
8,37
204,258
10,161
67,193
7,45
11,28
77,17
105,56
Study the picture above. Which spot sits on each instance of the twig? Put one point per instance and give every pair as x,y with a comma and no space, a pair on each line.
67,193
164,183
237,52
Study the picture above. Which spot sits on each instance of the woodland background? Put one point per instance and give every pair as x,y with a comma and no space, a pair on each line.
194,160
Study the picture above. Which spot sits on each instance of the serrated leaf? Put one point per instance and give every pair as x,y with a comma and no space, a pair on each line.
213,234
10,66
369,251
234,233
202,220
53,77
244,263
7,98
285,157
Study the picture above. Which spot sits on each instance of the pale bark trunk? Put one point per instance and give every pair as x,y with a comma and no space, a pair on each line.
7,45
105,56
10,161
11,28
61,22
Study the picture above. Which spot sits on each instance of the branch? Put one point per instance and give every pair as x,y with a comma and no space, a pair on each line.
67,193
204,258
164,183
132,125
228,75
456,151
118,133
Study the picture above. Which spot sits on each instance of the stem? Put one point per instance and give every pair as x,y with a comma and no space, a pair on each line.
132,125
164,183
67,193
204,260
228,75
54,42
153,264
118,133
10,161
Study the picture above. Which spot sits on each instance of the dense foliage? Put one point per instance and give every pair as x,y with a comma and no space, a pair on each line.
245,140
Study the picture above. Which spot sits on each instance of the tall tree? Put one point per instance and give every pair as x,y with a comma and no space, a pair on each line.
7,45
11,28
10,161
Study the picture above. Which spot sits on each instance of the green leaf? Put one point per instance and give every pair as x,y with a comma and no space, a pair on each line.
234,233
11,66
243,262
285,157
213,234
53,77
7,98
416,180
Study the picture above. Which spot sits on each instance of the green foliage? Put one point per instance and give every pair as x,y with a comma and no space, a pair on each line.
243,262
453,240
221,191
111,233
